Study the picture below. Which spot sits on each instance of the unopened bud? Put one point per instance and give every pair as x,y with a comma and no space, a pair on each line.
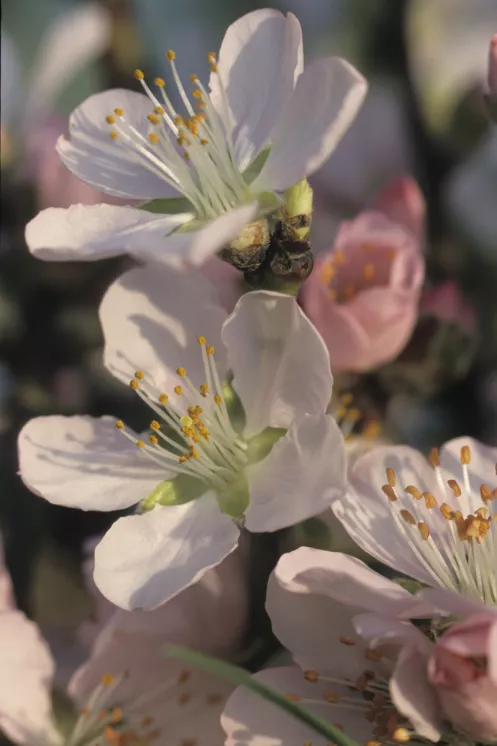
297,211
248,250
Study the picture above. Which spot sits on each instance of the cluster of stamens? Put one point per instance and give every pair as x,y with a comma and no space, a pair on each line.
351,421
368,696
100,723
459,551
193,153
187,438
341,284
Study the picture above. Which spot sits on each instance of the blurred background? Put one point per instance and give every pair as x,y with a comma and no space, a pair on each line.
424,116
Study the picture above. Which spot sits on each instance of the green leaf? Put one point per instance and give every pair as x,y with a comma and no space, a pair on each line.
178,491
239,677
172,206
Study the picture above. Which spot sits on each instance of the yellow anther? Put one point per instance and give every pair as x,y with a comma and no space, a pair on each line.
159,110
181,372
413,491
170,55
447,511
162,84
153,138
163,398
204,389
454,487
140,375
134,384
193,78
373,743
140,443
182,141
218,399
433,457
116,715
110,119
183,459
391,478
424,530
178,121
114,135
408,517
196,93
153,118
389,492
204,141
311,676
347,640
119,112
186,421
485,494
120,425
292,697
363,680
107,679
178,390
346,399
372,655
153,439
482,513
213,67
194,452
139,74
186,156
154,425
368,271
210,350
332,697
353,415
465,455
430,501
401,735
211,57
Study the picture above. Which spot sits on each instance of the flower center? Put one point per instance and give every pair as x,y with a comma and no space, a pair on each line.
345,274
191,152
459,551
102,722
191,433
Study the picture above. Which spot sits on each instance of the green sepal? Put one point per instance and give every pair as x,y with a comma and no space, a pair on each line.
236,413
261,444
234,500
171,206
178,491
253,169
239,677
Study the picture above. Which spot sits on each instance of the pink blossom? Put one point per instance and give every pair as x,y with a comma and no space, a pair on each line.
363,295
402,201
446,303
492,66
463,668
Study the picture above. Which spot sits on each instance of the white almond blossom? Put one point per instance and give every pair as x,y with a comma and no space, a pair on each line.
259,452
263,125
433,520
127,691
346,626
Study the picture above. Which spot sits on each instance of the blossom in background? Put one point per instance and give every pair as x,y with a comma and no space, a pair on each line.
213,154
128,691
71,42
345,626
260,451
363,294
433,521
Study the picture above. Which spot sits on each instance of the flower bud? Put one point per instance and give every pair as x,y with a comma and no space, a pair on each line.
463,670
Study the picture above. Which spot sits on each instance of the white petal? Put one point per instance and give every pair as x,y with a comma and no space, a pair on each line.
413,696
151,318
86,463
167,549
368,515
313,591
199,245
260,59
280,363
92,155
300,478
26,676
250,720
90,232
326,99
77,37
